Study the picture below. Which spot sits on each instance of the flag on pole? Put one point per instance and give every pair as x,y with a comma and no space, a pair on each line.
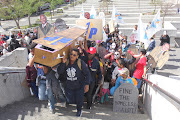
142,33
104,36
102,16
116,16
155,26
82,13
93,13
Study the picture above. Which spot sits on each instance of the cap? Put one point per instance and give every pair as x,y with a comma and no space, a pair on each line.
125,71
92,50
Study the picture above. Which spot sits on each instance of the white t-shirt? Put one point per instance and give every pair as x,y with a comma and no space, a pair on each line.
27,39
30,56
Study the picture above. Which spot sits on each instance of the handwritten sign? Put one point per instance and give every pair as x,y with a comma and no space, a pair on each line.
94,28
126,99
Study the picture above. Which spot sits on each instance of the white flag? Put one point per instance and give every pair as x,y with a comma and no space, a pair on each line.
93,13
104,36
102,16
116,16
142,34
156,25
82,13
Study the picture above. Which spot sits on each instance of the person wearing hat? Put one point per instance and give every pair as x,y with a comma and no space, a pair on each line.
164,38
95,70
123,78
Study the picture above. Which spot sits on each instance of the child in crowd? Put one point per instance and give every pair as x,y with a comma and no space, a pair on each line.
104,92
124,78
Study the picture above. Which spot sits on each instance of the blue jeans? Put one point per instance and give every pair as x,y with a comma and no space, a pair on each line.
34,88
75,97
46,94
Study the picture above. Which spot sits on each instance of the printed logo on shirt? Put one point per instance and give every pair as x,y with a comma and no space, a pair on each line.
71,73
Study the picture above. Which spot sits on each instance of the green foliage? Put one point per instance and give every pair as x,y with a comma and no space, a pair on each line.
53,4
47,14
65,7
12,9
31,6
80,2
83,1
59,10
71,5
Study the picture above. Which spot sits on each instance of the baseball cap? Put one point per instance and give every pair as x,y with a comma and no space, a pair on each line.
92,50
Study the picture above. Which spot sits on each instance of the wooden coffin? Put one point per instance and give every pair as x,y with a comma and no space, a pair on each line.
51,49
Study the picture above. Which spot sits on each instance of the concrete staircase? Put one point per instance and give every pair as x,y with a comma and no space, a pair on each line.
130,10
33,109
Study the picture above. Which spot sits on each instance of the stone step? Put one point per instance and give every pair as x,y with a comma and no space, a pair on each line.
122,11
33,109
126,20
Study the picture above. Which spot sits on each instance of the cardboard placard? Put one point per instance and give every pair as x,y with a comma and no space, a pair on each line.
51,49
160,56
94,28
132,67
126,99
151,64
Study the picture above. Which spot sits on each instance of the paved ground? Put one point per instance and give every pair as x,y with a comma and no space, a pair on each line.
33,109
172,67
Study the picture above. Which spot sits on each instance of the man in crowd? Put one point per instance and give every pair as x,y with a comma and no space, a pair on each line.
96,74
164,38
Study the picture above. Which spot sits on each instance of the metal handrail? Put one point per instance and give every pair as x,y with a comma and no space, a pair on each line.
176,99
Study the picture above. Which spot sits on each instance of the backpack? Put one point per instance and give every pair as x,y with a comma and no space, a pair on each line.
78,63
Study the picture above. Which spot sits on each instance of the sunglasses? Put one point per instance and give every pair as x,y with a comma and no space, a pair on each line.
73,55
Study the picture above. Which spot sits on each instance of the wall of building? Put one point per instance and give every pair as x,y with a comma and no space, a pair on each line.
12,75
16,58
158,105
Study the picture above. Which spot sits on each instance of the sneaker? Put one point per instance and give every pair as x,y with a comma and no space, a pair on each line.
52,111
79,113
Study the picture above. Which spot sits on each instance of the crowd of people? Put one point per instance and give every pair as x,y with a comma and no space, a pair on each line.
10,42
92,64
93,70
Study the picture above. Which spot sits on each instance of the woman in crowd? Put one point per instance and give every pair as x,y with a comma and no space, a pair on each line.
77,77
140,66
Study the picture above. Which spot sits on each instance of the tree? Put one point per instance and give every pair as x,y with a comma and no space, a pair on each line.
104,5
165,8
31,6
156,3
12,9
